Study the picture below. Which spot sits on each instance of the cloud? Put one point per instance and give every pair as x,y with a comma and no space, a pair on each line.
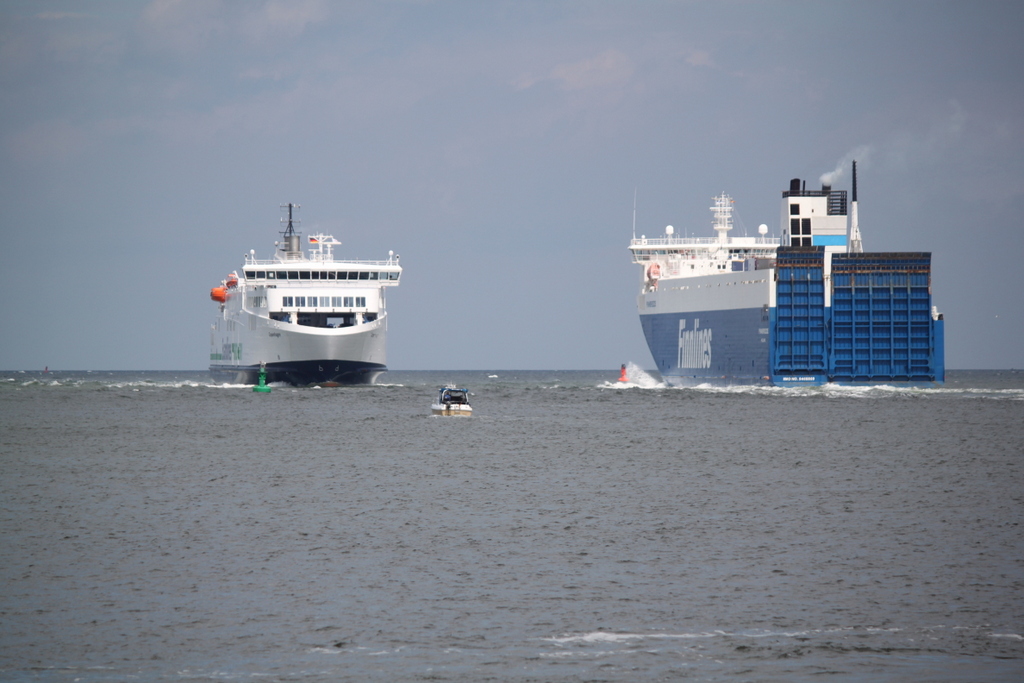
182,25
915,148
610,68
60,16
187,25
46,142
281,18
699,58
946,131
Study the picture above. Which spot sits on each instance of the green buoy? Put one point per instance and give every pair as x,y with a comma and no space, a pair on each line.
262,386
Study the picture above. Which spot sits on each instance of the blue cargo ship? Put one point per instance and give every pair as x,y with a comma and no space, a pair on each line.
808,308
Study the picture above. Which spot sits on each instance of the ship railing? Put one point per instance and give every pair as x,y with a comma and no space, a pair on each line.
660,241
688,241
275,262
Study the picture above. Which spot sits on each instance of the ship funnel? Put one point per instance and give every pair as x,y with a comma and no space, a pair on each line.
856,244
826,188
292,250
854,198
291,244
794,185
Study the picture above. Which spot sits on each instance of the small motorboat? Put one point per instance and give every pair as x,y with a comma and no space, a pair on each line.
452,401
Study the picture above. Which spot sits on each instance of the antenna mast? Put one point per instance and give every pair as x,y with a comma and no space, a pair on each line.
722,211
634,213
290,230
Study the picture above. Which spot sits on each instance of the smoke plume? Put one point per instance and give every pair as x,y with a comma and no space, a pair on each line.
859,154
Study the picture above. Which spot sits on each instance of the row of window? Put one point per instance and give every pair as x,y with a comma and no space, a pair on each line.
323,302
320,275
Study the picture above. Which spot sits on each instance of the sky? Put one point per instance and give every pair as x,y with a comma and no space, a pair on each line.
497,147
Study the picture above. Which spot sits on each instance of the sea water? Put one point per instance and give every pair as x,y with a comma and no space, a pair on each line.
158,526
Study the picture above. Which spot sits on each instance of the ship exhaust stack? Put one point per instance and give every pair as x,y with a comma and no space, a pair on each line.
292,250
856,247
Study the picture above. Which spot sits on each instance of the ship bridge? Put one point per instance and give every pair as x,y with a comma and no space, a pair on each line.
679,257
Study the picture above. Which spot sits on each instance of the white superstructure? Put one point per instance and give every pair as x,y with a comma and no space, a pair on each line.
673,263
311,318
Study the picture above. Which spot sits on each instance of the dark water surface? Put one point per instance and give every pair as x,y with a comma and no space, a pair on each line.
159,527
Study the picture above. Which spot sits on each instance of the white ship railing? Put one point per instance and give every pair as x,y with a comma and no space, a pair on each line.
291,264
688,241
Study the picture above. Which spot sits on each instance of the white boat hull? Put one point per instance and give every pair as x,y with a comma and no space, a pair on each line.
452,409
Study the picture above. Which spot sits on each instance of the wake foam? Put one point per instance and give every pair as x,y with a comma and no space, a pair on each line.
636,378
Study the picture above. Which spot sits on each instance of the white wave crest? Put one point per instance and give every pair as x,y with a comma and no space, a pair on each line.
636,378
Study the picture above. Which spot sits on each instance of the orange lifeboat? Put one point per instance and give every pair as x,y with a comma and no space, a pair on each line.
219,294
232,281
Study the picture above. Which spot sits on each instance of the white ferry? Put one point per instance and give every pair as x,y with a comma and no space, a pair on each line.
311,319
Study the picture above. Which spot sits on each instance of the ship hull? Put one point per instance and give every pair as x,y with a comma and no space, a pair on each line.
725,347
868,323
321,372
709,330
297,354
